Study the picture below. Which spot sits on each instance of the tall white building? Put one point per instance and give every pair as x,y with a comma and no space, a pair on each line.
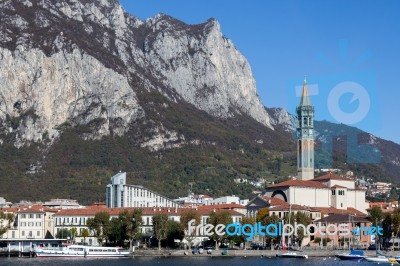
121,195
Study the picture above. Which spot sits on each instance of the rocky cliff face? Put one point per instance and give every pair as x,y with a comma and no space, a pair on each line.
82,62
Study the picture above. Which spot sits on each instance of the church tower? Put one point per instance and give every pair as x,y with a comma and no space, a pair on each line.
305,136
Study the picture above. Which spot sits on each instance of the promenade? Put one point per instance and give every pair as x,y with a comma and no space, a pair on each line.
247,253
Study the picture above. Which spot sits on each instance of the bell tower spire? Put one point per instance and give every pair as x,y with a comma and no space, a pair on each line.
305,136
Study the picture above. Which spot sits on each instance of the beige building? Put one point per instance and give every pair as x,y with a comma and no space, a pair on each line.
30,223
329,190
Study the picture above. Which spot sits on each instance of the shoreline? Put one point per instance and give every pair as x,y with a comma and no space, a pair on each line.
241,253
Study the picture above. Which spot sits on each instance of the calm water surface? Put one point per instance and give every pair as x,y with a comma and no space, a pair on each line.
172,261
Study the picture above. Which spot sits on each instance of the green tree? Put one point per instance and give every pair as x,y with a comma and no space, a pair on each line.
116,233
175,231
100,225
242,238
216,218
85,234
187,216
64,233
304,219
396,222
271,219
160,227
8,218
387,223
74,232
131,222
261,214
376,217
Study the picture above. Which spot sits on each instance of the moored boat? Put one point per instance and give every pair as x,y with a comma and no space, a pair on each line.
82,251
380,259
353,255
291,254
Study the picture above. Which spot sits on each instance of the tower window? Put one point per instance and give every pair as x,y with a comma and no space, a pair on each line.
305,121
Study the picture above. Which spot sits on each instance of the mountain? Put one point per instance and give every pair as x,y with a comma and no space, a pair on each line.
348,148
87,90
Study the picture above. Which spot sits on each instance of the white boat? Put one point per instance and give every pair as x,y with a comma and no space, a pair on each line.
380,259
82,251
291,254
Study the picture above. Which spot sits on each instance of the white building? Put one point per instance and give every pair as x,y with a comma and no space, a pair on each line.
120,195
227,200
30,223
326,191
62,204
77,218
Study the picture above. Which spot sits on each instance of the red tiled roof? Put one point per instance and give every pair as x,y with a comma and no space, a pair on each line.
29,209
332,176
293,207
274,201
91,211
331,210
222,206
299,183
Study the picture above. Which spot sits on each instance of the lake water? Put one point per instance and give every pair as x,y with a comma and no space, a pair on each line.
173,261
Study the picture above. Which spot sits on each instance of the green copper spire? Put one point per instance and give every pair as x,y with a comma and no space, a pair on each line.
305,98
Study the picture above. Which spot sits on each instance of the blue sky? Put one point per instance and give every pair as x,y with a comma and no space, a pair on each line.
350,48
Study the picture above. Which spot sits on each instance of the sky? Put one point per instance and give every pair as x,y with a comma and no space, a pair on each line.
349,51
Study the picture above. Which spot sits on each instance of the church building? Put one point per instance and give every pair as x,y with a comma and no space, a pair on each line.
330,190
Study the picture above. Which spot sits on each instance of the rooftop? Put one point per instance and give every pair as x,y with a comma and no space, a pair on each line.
299,183
330,176
343,218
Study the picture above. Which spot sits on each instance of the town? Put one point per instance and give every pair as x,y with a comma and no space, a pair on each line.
141,218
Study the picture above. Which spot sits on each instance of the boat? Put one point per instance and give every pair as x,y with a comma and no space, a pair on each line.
82,251
293,255
381,258
353,255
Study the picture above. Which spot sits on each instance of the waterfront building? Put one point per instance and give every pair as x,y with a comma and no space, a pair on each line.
329,190
328,234
77,218
121,195
30,223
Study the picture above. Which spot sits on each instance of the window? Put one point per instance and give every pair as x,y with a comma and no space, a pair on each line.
23,216
38,224
23,224
30,224
13,234
333,192
38,216
38,233
31,216
23,233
